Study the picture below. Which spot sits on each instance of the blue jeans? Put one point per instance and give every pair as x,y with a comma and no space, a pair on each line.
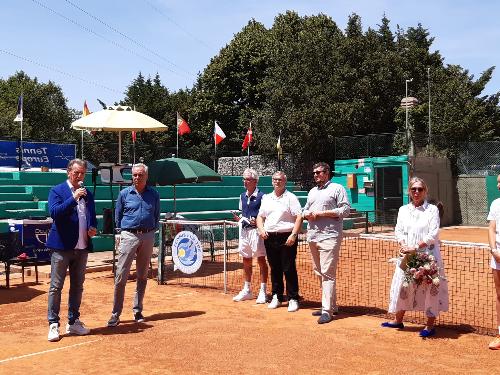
61,260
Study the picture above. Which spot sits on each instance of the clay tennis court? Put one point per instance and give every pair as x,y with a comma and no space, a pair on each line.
201,330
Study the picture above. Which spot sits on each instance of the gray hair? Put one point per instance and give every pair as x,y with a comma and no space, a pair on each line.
280,173
80,162
252,173
141,165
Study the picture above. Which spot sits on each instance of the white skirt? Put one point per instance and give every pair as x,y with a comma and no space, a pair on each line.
424,297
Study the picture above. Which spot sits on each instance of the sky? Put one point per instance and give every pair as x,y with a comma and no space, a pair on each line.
95,49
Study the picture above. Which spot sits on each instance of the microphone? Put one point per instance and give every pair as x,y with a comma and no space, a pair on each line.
80,184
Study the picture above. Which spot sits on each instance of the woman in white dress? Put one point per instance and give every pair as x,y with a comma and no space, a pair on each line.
417,230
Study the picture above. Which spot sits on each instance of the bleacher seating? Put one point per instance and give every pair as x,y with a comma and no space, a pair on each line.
24,195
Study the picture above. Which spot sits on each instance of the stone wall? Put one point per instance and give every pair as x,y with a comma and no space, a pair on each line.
264,165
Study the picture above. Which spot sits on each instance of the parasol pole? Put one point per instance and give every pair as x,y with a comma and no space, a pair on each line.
82,146
119,147
175,206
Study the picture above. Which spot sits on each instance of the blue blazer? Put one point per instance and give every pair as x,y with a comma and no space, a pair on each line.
63,234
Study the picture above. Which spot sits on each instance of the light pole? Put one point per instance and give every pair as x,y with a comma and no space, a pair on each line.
408,135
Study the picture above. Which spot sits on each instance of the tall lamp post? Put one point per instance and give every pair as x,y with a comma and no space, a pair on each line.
407,105
429,89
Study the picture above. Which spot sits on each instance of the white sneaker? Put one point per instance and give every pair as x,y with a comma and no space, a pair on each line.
77,328
244,295
293,305
53,332
261,298
274,303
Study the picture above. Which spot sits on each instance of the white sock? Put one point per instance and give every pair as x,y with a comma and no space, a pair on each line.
263,287
246,286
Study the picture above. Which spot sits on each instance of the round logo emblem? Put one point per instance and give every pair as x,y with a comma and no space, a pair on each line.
187,252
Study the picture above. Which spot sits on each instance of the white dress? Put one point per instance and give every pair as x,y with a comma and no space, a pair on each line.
414,225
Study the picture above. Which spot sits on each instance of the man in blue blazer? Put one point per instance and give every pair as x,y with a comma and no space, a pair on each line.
72,208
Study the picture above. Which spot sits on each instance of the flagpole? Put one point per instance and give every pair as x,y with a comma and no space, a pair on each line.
248,150
279,152
215,156
177,127
21,146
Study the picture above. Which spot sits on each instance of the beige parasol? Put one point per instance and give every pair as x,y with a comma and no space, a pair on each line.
118,119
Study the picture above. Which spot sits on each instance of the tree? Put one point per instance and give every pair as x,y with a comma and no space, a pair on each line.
46,115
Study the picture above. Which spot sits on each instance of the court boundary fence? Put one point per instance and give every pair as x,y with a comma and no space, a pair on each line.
364,273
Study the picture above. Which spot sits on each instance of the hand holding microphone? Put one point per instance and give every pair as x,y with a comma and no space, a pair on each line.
81,192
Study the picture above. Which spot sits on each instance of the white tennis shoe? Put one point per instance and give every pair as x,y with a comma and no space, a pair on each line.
53,332
77,328
244,295
293,305
274,303
261,298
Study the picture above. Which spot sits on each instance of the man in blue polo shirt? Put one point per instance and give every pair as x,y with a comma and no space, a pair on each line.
250,244
137,214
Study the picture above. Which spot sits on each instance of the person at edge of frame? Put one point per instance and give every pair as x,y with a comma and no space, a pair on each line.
494,242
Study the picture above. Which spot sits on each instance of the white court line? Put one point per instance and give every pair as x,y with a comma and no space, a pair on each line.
47,351
183,294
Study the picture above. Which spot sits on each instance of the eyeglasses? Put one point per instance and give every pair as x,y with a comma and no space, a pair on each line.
419,189
277,179
249,179
318,172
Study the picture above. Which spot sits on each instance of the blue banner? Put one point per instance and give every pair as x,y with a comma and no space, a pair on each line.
36,154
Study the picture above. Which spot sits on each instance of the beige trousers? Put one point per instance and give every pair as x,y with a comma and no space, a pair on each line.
325,257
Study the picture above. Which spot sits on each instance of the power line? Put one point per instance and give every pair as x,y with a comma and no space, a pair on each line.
94,83
106,39
180,27
126,36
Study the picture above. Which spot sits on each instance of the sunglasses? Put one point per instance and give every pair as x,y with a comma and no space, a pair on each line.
277,179
419,189
318,172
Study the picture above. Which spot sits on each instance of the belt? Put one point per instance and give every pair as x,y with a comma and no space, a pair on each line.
138,230
271,234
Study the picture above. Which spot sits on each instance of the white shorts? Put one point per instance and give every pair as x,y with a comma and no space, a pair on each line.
494,264
251,245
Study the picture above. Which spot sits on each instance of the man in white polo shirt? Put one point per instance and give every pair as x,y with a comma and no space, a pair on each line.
325,209
279,222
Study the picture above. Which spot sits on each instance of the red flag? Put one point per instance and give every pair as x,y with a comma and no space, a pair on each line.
86,110
182,125
248,138
134,136
218,134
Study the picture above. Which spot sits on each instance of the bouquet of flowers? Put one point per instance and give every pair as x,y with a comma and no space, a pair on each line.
421,268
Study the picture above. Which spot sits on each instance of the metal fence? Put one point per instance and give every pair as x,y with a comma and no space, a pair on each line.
363,276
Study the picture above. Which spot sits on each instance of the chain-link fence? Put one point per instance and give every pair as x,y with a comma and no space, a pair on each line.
363,276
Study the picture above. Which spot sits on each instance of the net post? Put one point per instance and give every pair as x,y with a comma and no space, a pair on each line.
161,255
225,256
